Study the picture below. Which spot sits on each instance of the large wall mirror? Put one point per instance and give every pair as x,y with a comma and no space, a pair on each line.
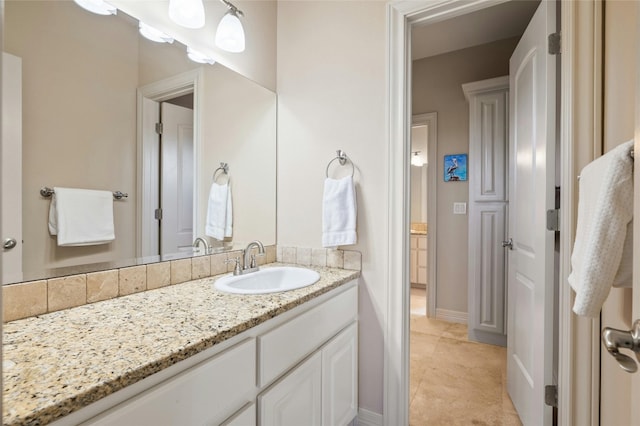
92,90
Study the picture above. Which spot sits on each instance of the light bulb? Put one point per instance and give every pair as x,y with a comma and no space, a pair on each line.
100,7
153,34
198,57
187,13
230,34
416,160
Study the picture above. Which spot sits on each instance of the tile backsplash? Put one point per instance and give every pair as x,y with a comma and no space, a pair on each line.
34,298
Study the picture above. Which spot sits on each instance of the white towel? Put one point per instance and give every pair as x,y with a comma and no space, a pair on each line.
219,212
339,212
602,252
81,217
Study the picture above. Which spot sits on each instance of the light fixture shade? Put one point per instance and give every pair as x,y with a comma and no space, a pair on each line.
187,13
417,160
230,34
100,7
198,57
153,34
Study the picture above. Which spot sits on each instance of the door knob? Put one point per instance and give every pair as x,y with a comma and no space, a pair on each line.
9,243
508,243
614,339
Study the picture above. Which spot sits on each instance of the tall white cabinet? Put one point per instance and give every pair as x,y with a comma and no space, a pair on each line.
488,207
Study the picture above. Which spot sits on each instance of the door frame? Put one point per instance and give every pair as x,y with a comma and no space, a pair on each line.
430,119
178,85
578,381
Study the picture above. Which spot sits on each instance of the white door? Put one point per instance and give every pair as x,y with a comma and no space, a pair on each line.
176,231
531,194
11,168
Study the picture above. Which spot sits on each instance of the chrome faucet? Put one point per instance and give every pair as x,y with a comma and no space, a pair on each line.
196,244
249,260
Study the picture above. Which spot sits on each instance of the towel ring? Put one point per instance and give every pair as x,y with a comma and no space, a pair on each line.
342,159
224,168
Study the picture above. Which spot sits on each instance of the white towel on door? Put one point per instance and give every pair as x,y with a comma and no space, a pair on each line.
339,212
81,217
602,253
219,212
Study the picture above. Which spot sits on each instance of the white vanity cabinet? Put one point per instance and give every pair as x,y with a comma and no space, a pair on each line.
206,394
299,368
418,260
323,390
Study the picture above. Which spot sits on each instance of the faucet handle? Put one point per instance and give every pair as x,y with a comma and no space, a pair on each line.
236,269
253,261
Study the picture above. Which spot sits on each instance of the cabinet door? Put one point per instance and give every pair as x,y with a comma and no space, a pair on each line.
245,417
413,266
296,399
340,378
205,394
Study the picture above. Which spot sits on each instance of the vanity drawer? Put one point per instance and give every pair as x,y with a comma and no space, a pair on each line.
288,344
204,394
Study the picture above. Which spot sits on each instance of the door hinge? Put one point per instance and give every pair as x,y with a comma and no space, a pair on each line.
551,395
158,214
553,220
554,44
159,128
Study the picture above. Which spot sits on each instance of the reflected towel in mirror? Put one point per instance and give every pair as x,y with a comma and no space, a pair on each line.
81,217
219,212
339,212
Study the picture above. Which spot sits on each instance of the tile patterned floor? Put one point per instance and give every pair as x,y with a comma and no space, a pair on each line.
454,381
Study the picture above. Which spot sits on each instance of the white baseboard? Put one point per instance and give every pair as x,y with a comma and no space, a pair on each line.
368,418
451,316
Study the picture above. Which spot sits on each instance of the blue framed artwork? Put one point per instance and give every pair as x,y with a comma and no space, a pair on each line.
455,168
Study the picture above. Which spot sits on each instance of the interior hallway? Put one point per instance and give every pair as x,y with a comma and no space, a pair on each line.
454,381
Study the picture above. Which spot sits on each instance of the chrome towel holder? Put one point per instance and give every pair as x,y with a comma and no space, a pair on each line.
47,192
342,158
224,167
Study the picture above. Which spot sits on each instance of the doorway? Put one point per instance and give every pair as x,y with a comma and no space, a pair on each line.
168,143
482,61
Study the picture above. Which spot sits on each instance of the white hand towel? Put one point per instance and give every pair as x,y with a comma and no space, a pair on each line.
81,217
602,252
219,212
339,212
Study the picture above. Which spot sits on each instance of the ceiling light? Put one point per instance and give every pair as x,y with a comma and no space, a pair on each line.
187,13
416,159
153,34
100,7
198,57
230,34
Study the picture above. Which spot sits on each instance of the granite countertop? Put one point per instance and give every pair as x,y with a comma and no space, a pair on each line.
57,363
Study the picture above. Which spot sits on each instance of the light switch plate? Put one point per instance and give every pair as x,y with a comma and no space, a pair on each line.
459,208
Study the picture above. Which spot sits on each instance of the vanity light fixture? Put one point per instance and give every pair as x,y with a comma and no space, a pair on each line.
416,160
100,7
187,13
230,34
153,34
198,57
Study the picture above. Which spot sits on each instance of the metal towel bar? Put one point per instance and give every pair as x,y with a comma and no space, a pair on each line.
47,192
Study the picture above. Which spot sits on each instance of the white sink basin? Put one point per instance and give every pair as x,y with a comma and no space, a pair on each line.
268,280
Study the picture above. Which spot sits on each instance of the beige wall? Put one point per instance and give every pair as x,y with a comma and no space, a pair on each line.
257,62
437,88
620,71
331,95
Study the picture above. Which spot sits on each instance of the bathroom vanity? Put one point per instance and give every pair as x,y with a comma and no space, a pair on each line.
191,355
